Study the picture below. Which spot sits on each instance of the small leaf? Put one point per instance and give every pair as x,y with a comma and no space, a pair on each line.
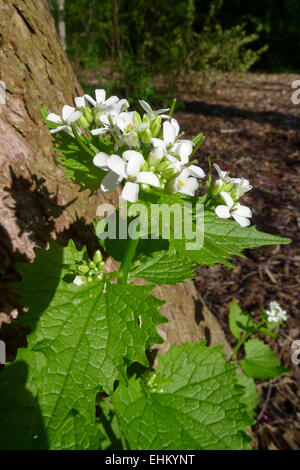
261,362
239,321
250,394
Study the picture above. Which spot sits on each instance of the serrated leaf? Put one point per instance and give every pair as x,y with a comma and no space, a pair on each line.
250,394
239,321
224,238
191,403
163,267
261,362
89,335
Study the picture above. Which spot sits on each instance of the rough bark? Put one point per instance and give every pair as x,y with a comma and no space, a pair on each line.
35,202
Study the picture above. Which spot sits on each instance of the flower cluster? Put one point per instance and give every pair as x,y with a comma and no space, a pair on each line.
88,270
149,153
276,314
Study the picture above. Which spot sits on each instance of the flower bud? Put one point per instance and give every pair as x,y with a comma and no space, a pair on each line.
145,136
155,157
137,120
83,268
83,122
145,187
163,165
155,126
170,173
144,166
97,258
101,265
88,114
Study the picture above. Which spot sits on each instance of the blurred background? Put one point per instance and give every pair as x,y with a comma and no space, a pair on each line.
128,45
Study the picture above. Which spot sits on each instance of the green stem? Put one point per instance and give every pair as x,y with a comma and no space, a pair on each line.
127,260
244,338
80,142
172,107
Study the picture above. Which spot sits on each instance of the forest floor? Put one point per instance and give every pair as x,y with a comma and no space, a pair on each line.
252,128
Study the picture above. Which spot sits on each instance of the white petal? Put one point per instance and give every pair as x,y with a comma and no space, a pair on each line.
190,185
161,111
243,211
74,117
117,164
168,133
157,142
147,177
243,221
130,192
90,99
99,131
111,101
134,164
227,199
100,95
184,150
130,154
146,106
221,173
196,171
141,126
175,125
67,111
222,212
54,118
58,129
110,182
100,160
79,102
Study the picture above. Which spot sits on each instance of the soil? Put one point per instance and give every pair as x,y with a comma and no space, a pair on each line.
252,128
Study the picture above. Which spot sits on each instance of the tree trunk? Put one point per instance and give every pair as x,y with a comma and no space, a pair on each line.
35,201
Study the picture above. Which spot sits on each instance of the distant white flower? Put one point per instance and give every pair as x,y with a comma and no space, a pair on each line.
241,185
79,280
275,313
241,214
184,183
128,167
69,116
152,114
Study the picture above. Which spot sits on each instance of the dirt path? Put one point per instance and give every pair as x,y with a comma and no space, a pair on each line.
252,128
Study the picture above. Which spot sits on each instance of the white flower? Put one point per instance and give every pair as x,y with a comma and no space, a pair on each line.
170,133
185,182
126,123
152,114
69,116
276,313
241,214
79,280
241,185
129,168
101,101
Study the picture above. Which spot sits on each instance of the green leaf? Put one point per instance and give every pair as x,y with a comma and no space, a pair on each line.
239,321
163,267
89,335
192,402
261,362
250,394
21,424
224,238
